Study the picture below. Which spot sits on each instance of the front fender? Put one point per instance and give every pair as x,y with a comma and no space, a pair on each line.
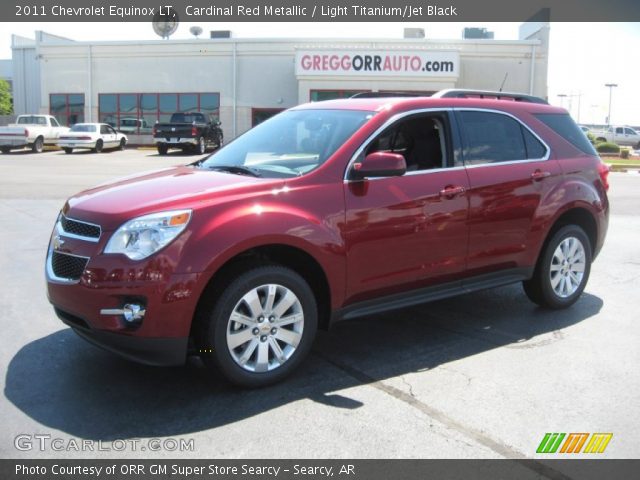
230,231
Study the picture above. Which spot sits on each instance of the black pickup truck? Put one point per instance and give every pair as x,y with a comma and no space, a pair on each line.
193,131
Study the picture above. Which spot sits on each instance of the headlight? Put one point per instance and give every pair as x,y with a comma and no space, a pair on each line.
144,236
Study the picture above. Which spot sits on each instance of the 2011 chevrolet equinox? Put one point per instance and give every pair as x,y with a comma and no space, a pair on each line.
330,211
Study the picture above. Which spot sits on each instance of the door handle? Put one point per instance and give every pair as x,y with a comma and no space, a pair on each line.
451,191
539,175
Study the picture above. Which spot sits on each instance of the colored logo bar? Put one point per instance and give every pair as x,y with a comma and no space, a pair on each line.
574,442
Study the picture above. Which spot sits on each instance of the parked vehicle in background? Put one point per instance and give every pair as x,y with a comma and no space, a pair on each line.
621,135
33,131
330,211
193,132
92,136
132,125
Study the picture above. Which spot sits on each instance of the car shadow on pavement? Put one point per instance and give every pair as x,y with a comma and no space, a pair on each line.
63,383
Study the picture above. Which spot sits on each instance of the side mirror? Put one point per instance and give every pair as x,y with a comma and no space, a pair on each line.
379,164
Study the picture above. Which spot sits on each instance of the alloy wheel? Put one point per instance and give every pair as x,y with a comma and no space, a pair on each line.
265,328
567,267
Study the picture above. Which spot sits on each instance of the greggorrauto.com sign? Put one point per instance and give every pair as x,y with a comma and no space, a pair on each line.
377,63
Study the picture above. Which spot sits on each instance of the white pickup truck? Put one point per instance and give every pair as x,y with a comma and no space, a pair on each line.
620,135
33,131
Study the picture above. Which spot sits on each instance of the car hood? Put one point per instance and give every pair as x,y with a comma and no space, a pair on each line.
113,203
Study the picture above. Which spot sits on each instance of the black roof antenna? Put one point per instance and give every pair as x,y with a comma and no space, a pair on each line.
506,74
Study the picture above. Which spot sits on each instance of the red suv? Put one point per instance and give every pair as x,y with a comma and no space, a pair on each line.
330,211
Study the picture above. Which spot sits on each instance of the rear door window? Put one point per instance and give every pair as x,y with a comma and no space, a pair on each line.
491,138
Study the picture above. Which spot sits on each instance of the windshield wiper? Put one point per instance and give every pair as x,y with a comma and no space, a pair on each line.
237,169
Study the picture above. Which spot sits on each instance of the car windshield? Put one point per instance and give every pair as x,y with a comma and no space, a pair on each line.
289,144
83,128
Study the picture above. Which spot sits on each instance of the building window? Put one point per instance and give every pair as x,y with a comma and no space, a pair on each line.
319,95
67,108
136,113
259,115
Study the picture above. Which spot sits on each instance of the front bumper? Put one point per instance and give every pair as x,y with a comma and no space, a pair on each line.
146,350
97,285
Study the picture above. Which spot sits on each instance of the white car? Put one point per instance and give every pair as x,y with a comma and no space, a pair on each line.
92,136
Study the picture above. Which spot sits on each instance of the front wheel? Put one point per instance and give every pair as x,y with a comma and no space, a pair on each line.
5,150
260,328
123,144
562,270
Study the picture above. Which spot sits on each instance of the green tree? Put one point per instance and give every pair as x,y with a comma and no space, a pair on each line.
6,103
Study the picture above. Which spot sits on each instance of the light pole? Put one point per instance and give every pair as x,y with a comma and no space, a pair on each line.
570,97
562,97
611,86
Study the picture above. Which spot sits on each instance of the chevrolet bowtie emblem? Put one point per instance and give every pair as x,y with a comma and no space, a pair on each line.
57,242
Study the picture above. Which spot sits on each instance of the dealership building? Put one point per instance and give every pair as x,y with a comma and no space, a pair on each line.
242,81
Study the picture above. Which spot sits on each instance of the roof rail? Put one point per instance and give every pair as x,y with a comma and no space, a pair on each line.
386,95
462,93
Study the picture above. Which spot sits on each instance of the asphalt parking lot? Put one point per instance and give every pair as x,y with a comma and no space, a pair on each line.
484,375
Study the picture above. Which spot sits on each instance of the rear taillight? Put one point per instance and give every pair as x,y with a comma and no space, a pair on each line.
194,132
154,131
603,171
26,132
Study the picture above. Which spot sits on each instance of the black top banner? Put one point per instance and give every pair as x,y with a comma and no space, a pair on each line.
320,11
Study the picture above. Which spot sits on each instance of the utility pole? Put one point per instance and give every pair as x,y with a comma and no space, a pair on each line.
611,87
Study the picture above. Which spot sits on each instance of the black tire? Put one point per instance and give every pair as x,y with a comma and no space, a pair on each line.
68,150
99,146
540,289
220,139
214,319
162,149
5,150
201,146
38,145
601,139
123,144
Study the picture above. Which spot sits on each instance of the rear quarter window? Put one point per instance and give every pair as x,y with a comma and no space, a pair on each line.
563,125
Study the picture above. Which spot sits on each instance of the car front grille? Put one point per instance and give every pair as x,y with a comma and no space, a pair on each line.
81,229
67,266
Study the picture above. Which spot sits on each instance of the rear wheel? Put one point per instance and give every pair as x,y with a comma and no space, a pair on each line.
260,328
201,146
38,145
68,150
5,150
123,144
162,149
562,270
99,146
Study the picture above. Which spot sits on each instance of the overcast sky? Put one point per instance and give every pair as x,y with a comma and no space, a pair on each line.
583,56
